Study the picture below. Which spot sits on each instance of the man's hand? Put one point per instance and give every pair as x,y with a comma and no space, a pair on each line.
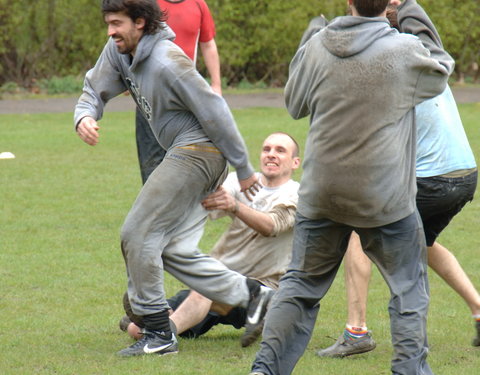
220,200
250,186
217,88
87,130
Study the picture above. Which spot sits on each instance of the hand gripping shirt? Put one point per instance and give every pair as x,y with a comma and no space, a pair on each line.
246,251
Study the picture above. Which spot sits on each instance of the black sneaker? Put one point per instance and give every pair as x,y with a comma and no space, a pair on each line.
257,308
152,342
345,347
476,340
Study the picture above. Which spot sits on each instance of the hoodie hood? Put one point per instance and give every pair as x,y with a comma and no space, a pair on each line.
148,41
346,36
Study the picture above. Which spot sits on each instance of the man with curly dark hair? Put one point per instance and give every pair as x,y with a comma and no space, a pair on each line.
197,130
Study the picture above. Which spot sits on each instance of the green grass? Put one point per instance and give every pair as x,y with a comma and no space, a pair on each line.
62,275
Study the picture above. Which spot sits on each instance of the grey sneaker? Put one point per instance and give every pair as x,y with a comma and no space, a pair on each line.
476,340
344,348
257,308
152,342
124,322
256,373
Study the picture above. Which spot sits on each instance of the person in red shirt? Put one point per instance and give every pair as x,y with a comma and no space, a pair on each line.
193,25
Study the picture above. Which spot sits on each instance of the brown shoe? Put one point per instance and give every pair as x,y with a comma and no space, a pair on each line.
345,347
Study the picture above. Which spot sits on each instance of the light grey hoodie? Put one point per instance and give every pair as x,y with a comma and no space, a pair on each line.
178,103
359,80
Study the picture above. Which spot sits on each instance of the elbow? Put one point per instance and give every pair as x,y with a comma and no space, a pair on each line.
267,231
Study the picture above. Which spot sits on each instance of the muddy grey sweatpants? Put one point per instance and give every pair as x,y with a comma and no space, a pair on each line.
162,230
398,250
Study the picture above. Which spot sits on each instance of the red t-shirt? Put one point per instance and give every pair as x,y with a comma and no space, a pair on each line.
191,21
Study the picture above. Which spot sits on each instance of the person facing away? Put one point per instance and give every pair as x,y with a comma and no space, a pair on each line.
358,174
257,243
193,25
446,180
195,126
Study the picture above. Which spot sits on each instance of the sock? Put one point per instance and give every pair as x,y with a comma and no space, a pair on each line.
159,322
354,333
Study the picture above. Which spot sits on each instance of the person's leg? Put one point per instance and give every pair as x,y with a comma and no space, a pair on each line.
218,314
201,328
170,194
221,308
213,280
439,200
318,249
399,251
199,271
355,339
193,310
167,217
358,269
446,265
210,320
150,154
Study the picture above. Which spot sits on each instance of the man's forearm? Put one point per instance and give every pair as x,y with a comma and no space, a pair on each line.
261,222
212,63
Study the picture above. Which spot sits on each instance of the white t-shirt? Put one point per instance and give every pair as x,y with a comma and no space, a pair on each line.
248,252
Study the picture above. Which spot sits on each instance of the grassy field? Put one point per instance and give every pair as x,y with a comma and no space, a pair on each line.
62,275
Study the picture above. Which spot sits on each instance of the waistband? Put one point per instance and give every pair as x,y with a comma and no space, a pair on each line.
459,173
205,147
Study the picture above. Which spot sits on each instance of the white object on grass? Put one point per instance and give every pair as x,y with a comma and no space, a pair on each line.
6,155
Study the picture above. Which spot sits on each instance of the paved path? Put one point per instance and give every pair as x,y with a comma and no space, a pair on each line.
235,101
125,103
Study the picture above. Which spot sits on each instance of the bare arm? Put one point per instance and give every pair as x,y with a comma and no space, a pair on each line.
212,62
258,221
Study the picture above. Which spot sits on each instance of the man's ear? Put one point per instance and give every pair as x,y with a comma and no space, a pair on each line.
140,23
296,162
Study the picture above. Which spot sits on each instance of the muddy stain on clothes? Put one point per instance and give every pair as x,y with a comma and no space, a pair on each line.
180,58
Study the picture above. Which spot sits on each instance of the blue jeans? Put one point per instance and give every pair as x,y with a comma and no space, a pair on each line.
399,251
162,230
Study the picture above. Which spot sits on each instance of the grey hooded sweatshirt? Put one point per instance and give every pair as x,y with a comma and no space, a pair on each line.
359,80
178,103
